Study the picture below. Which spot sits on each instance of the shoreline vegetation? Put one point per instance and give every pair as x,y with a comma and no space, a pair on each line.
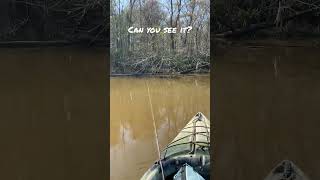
256,19
265,23
49,43
74,21
233,22
160,53
160,75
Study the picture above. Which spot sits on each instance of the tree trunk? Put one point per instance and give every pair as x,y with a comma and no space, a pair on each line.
171,24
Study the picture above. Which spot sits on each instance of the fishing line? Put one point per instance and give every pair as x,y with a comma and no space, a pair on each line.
155,131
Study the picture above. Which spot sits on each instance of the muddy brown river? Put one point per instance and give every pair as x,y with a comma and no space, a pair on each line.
53,124
53,117
175,101
266,109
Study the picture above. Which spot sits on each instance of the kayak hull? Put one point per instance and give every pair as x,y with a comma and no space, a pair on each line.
286,170
171,167
191,146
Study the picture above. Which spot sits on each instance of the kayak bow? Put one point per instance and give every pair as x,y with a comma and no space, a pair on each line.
286,170
188,152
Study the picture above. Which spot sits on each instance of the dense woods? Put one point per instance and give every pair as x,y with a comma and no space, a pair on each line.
44,20
160,52
88,22
276,18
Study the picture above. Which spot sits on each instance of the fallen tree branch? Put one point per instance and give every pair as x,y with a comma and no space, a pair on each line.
194,69
265,25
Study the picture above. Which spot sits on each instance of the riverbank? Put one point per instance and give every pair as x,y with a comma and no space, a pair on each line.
177,63
164,74
160,75
223,46
56,43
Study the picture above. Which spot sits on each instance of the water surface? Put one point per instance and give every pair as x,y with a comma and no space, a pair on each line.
52,111
174,101
266,109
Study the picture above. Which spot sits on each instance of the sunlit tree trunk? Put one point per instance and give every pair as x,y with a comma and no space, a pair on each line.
171,24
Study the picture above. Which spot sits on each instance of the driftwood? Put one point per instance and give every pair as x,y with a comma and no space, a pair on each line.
194,69
240,32
165,75
265,25
143,75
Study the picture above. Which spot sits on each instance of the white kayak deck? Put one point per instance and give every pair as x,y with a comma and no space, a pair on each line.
194,136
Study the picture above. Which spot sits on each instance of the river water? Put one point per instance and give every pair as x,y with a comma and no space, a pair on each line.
266,109
53,117
132,139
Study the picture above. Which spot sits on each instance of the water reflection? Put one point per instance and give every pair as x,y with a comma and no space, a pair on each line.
174,101
266,109
52,103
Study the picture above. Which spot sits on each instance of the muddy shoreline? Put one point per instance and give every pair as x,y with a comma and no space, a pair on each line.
161,75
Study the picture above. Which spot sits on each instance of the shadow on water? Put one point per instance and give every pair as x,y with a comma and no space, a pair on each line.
174,100
266,109
52,114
